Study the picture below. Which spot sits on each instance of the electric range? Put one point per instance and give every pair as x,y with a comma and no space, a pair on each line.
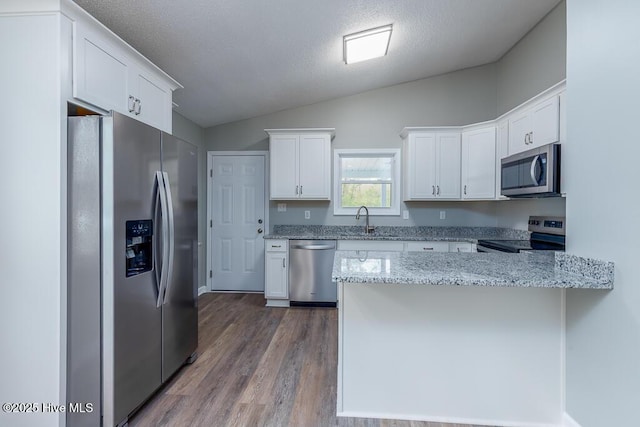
547,233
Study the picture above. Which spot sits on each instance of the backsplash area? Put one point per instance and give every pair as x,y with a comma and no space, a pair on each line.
505,213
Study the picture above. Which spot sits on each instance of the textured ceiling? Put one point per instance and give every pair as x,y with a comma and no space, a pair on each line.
241,59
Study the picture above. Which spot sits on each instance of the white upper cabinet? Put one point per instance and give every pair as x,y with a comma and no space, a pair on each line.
419,166
502,150
448,168
431,164
283,155
154,99
315,166
479,163
101,72
300,163
108,74
535,126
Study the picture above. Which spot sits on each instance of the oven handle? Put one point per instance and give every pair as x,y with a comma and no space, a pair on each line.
481,248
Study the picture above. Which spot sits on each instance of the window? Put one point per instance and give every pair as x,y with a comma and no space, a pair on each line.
368,178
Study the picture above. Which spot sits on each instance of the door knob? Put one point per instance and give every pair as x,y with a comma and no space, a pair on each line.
259,230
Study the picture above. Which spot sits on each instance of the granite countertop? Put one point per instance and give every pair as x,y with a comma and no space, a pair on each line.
546,270
419,233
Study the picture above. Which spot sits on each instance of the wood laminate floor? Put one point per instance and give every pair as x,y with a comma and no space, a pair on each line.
258,366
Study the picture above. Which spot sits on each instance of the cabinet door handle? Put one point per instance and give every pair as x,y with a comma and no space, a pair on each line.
531,138
433,190
131,104
137,106
283,265
427,249
301,190
438,190
526,139
296,190
465,189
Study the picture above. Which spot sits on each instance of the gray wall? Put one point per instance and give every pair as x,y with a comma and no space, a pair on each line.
536,62
374,119
602,177
187,130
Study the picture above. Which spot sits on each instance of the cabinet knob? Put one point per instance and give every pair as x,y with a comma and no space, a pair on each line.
259,230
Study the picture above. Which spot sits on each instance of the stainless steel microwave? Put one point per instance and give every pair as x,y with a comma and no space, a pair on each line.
532,173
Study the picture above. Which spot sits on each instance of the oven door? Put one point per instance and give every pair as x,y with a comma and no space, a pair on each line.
481,248
531,173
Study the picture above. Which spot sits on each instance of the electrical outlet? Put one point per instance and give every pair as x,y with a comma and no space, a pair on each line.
307,214
405,214
282,207
443,214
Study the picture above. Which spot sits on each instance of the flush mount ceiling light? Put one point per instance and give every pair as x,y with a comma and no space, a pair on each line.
366,44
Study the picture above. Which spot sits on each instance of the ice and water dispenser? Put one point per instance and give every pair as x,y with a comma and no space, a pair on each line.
139,250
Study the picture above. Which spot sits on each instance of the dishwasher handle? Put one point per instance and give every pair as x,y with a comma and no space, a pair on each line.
313,247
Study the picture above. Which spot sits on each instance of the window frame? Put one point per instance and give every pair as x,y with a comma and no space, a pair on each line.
394,154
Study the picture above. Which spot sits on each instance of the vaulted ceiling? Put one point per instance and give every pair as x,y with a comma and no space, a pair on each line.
241,59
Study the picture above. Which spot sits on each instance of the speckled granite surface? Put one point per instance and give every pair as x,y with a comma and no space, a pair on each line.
589,267
459,269
337,232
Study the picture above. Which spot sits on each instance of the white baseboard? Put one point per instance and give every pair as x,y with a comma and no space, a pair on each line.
440,419
202,290
277,303
567,421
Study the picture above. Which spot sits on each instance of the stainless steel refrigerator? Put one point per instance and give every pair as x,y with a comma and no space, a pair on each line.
132,264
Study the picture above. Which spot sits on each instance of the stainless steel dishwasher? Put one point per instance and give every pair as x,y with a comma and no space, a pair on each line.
310,267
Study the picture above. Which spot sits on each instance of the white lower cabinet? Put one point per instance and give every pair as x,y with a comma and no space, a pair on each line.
405,246
371,245
462,247
427,247
276,284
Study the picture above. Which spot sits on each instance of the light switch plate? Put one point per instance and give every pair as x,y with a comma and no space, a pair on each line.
307,214
405,214
282,207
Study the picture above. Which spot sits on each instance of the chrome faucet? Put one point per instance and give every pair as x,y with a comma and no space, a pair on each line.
367,228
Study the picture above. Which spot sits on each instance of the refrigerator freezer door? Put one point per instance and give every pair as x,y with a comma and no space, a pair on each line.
83,255
131,157
180,310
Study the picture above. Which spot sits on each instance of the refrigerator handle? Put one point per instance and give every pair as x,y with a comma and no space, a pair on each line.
162,284
171,241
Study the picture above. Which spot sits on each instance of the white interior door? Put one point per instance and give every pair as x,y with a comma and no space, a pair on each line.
237,223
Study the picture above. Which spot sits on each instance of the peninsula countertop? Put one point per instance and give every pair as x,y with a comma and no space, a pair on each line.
544,270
